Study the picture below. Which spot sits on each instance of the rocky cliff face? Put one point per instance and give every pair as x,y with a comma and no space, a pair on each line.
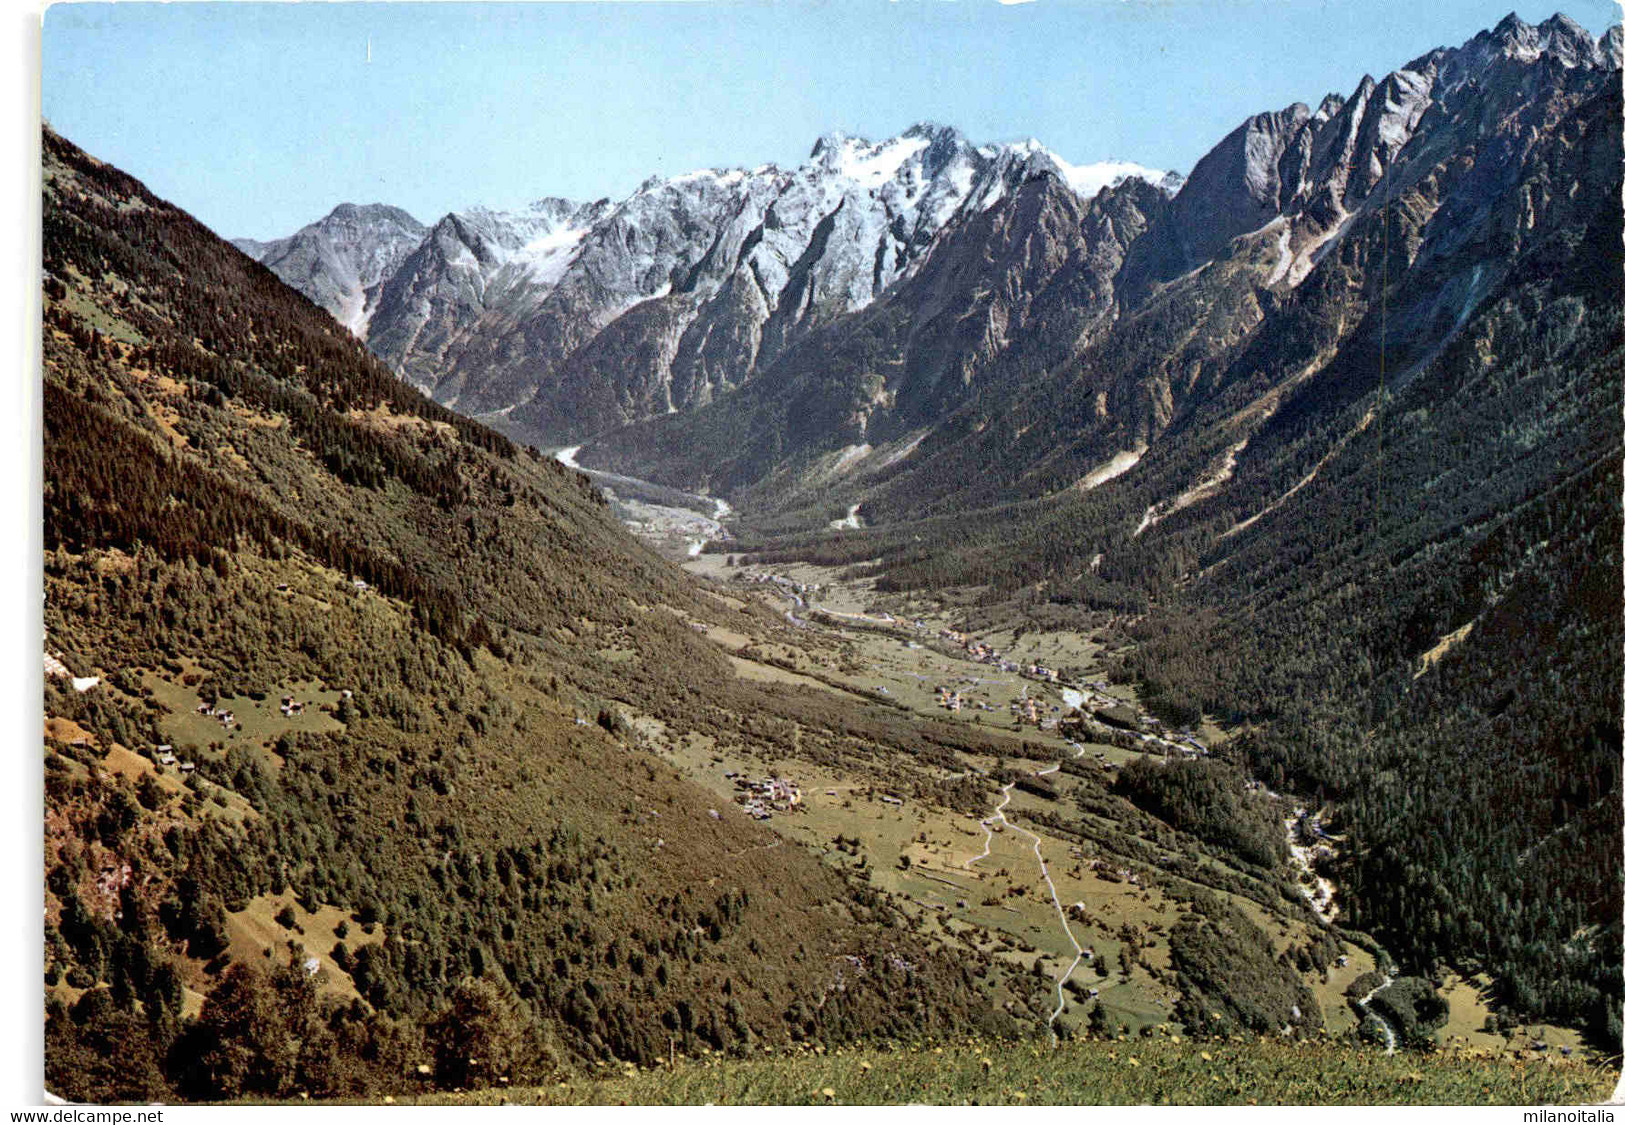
880,287
1316,169
694,284
340,261
575,319
1039,339
470,270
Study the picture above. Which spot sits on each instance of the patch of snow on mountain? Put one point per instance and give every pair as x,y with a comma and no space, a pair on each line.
908,446
1089,180
630,301
851,522
850,456
353,312
872,165
548,257
727,178
362,321
1309,255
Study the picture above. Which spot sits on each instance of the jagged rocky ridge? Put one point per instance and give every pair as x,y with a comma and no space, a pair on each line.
578,318
1254,275
341,261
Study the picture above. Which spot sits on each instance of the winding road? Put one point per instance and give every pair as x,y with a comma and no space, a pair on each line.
1043,869
779,842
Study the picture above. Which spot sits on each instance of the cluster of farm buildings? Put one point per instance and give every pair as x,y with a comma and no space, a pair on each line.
983,653
1101,715
224,714
165,756
765,796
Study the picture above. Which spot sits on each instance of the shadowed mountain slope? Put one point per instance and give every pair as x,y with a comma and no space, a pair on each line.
242,505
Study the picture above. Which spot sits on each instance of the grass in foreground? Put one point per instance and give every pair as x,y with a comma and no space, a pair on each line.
1145,1071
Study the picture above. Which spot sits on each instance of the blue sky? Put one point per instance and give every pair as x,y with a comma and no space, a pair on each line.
259,118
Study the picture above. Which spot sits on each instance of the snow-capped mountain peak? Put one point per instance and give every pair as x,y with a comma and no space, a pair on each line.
1089,180
730,266
871,165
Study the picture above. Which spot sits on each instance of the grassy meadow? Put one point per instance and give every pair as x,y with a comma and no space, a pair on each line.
1158,1070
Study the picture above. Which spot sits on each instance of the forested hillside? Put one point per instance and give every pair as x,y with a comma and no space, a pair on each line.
339,791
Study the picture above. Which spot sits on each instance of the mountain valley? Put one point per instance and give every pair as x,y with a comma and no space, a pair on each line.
935,597
1294,475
